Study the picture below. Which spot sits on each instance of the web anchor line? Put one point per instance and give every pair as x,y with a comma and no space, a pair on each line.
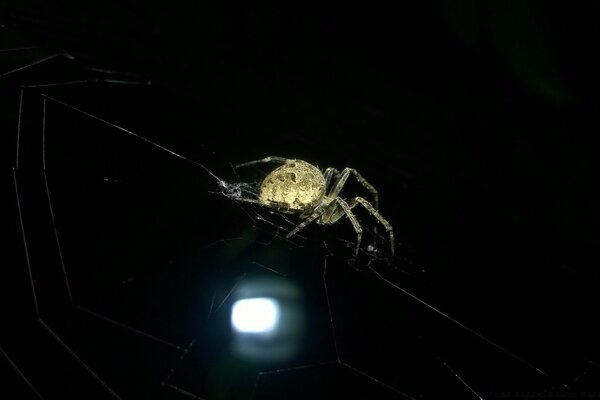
39,318
463,326
220,181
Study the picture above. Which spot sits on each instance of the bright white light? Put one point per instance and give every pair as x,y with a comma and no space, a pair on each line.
257,315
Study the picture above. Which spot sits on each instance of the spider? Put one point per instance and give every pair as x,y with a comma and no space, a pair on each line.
298,187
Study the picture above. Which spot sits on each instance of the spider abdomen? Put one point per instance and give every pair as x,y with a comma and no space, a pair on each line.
294,187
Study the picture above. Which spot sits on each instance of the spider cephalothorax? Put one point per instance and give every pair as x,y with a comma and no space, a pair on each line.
299,187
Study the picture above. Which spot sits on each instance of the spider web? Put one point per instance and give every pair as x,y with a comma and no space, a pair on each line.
133,245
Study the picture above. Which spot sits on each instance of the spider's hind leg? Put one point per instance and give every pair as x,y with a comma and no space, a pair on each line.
265,160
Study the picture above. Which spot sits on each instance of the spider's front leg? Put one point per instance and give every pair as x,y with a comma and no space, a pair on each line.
329,174
348,211
338,208
343,177
369,207
333,214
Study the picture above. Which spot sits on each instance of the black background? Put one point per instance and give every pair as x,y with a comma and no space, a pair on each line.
476,121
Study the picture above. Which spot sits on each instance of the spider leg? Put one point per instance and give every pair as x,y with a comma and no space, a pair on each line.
329,173
369,207
274,206
307,221
263,161
247,200
348,211
343,177
335,210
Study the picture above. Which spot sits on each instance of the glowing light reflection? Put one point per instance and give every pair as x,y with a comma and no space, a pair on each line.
255,315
